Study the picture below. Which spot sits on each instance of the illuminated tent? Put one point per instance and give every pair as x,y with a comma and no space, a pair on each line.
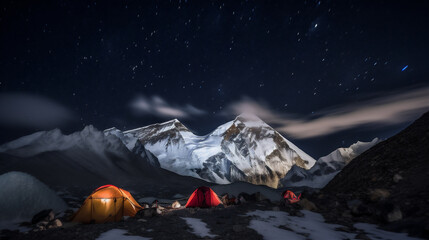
107,203
203,197
291,197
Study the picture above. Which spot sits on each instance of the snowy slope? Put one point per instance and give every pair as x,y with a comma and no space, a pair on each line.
326,167
245,149
87,159
22,196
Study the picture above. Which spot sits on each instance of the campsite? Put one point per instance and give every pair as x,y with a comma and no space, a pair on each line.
214,119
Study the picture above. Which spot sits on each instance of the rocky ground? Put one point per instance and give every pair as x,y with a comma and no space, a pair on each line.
388,184
244,221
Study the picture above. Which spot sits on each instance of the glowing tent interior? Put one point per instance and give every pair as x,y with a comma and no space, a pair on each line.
203,197
107,203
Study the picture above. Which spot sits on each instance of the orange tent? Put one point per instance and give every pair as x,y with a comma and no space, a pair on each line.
203,197
107,203
291,197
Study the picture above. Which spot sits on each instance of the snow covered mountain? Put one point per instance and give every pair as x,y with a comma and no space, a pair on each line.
245,149
87,158
326,167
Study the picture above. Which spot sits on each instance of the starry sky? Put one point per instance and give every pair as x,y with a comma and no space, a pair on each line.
323,73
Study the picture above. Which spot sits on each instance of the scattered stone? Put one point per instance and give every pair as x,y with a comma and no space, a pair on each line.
148,212
378,194
154,204
42,223
397,178
44,215
145,205
176,205
394,215
307,204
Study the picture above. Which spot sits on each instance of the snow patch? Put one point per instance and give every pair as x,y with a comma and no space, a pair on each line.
199,228
280,225
115,234
374,233
22,196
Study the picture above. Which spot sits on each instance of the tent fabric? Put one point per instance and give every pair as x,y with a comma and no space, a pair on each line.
203,197
107,203
291,197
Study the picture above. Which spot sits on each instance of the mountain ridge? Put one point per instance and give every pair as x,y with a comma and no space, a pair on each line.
244,149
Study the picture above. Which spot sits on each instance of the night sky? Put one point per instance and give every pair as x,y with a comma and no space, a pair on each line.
307,64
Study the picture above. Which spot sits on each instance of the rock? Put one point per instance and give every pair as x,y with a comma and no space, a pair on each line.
276,208
238,228
225,199
378,194
355,206
176,205
145,205
397,178
148,212
44,215
39,228
307,204
42,223
55,224
154,204
394,215
141,220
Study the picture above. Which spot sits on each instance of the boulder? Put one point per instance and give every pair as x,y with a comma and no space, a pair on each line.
378,194
394,215
397,178
44,215
176,205
55,224
307,204
154,204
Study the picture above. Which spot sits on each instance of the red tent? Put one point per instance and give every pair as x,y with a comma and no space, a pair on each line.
203,197
291,197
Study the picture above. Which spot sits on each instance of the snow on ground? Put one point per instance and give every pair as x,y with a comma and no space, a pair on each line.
279,225
119,234
239,187
22,196
199,228
374,233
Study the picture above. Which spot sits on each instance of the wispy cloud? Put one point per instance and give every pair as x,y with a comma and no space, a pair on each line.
157,106
32,111
391,109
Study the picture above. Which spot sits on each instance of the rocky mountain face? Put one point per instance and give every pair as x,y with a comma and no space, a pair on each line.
245,149
389,182
327,167
88,159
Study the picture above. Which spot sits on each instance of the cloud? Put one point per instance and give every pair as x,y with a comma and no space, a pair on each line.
32,111
391,109
157,106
